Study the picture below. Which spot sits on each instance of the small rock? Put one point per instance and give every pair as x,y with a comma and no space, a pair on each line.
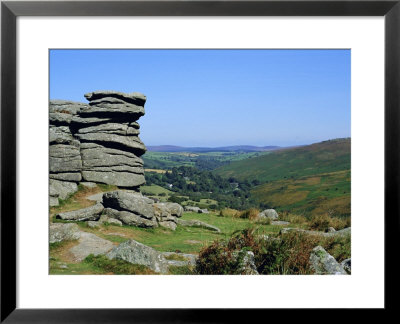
93,224
89,184
346,264
197,223
330,230
168,224
112,221
268,213
279,223
63,232
192,209
324,263
138,253
96,197
203,211
53,201
62,189
246,265
190,259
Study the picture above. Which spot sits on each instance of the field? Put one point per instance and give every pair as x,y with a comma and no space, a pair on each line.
207,160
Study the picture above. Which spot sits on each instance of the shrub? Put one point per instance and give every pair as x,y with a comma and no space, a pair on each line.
250,214
292,218
184,270
176,199
320,222
287,254
229,212
215,259
323,222
338,246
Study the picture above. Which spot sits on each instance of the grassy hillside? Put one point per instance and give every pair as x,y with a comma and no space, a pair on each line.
324,157
310,180
327,193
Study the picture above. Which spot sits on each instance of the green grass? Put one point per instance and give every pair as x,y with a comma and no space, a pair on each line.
97,265
185,270
176,257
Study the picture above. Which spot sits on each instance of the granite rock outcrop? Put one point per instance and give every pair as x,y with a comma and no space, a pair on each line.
96,142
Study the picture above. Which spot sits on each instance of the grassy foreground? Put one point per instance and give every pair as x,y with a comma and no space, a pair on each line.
184,239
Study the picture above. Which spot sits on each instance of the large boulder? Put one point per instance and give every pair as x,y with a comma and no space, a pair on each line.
86,214
174,208
324,264
138,253
62,189
268,213
63,232
129,201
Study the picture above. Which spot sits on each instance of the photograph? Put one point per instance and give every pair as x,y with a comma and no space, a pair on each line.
199,161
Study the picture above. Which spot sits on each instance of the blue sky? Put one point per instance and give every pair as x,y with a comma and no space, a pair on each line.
219,97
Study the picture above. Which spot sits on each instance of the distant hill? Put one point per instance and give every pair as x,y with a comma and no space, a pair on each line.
327,156
235,148
310,180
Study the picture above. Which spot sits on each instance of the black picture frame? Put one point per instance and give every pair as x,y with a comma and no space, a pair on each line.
10,10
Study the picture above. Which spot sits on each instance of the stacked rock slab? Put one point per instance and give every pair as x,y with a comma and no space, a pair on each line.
109,143
64,150
96,143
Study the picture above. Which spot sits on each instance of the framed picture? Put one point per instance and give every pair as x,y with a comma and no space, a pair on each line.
318,79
